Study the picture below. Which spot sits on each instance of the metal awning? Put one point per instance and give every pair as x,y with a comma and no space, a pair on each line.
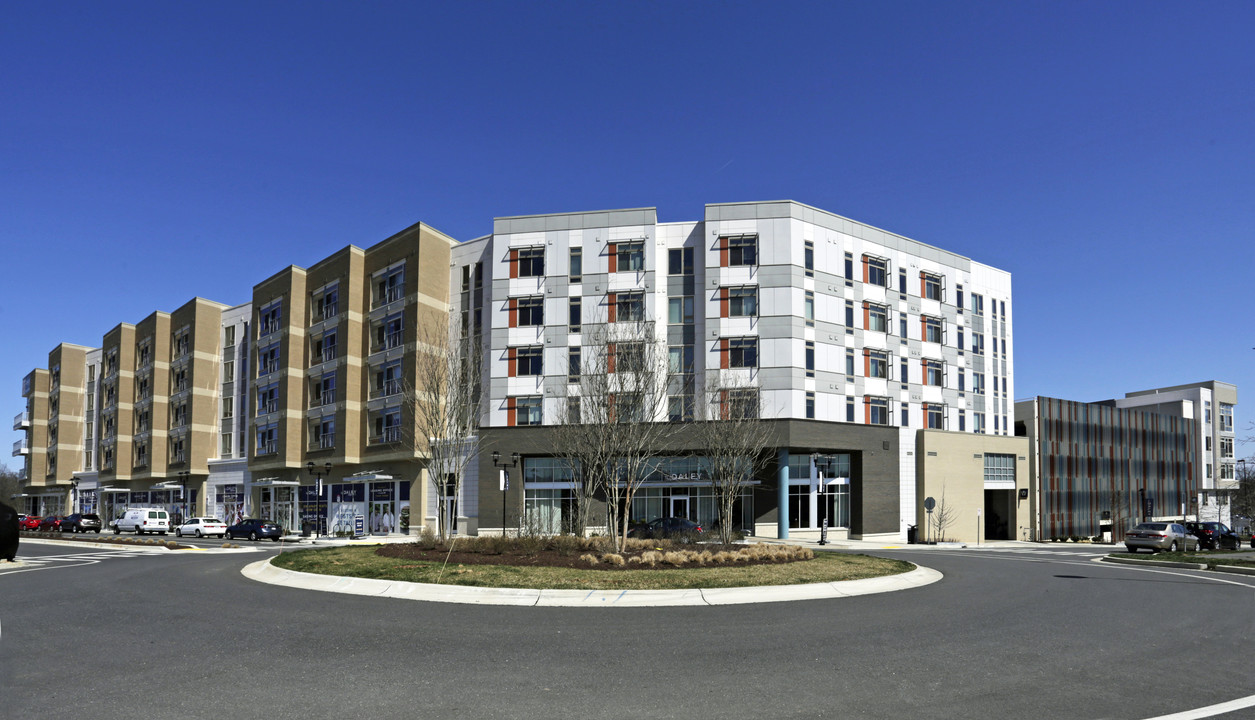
366,477
275,482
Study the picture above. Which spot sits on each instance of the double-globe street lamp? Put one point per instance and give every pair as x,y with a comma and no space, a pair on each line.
318,473
505,480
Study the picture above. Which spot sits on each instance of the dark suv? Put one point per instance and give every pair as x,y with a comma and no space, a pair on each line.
1213,535
81,523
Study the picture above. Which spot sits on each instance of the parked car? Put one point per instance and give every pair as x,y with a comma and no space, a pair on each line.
255,529
202,526
30,522
51,523
142,520
1157,536
668,527
81,523
1214,535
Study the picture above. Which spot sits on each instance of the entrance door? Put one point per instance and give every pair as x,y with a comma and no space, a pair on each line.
679,506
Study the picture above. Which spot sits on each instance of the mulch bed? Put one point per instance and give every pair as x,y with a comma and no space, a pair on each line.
550,558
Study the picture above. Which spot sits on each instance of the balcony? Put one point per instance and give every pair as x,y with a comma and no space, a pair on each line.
390,435
390,387
22,421
267,448
21,473
21,447
326,397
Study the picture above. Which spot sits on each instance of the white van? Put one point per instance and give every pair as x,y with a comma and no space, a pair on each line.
142,520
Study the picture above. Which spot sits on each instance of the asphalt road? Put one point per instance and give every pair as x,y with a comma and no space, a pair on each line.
1039,633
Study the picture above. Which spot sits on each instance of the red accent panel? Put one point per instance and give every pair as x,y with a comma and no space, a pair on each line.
723,302
867,411
723,252
510,412
867,313
514,263
512,360
611,348
513,305
723,354
611,301
864,268
867,362
614,258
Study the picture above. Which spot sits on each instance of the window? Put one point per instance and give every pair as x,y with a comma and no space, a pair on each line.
810,358
902,326
849,409
266,436
388,380
528,361
742,250
960,345
933,329
228,336
390,285
182,342
574,310
573,364
679,408
387,426
999,470
267,360
228,371
978,304
935,416
962,381
875,271
849,313
978,343
627,357
145,354
526,410
680,261
849,361
576,270
527,312
180,376
810,405
930,286
1226,417
269,318
390,333
680,359
876,317
627,256
978,383
849,266
629,307
934,373
324,390
877,410
328,305
742,352
573,409
268,399
808,307
325,348
808,257
179,416
531,262
228,407
978,423
322,433
742,301
680,310
876,364
906,414
902,281
228,445
1226,447
739,404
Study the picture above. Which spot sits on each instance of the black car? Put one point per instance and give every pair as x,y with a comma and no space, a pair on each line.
1214,535
668,527
81,523
255,529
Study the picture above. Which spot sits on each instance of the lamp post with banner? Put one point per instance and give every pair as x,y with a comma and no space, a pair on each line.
504,480
318,473
823,498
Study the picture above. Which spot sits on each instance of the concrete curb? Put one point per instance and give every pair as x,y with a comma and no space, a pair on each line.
1235,569
263,571
1154,563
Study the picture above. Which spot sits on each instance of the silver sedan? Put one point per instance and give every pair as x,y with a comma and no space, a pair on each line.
1157,536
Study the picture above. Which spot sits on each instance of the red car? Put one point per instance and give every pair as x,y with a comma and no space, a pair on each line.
30,522
52,523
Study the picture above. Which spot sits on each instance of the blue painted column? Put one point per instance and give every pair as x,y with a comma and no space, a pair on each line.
782,495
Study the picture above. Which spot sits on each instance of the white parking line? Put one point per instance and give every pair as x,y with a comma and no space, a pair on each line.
1210,710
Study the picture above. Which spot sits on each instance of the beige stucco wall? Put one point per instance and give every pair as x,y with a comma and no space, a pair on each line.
950,468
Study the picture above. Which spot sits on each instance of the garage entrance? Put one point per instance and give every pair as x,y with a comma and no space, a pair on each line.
999,514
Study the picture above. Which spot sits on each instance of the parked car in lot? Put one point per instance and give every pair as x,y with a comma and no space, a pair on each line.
51,523
202,526
30,522
81,523
668,527
1213,535
143,520
1157,536
255,529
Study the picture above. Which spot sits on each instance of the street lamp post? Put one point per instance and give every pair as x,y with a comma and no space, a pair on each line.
823,499
318,473
505,480
183,478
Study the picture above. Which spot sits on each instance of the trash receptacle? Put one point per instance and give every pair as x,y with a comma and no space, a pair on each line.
910,534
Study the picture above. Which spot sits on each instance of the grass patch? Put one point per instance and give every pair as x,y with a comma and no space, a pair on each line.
363,562
1211,558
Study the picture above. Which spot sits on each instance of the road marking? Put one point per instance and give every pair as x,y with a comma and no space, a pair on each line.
1210,710
55,562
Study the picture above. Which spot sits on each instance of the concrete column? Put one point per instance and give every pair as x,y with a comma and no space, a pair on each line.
782,495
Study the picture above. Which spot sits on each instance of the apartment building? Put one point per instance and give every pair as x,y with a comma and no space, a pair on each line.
849,338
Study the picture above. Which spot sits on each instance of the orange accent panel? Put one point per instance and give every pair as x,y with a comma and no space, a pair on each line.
511,411
614,258
514,312
867,411
723,354
864,268
723,302
611,301
867,362
610,353
513,362
867,313
922,288
514,263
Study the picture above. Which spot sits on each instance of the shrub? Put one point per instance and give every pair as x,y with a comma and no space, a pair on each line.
614,559
590,559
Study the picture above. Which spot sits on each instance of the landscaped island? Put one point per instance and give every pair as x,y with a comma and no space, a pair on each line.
571,563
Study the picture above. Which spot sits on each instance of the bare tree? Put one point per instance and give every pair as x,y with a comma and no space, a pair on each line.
732,436
943,516
1243,504
610,428
443,400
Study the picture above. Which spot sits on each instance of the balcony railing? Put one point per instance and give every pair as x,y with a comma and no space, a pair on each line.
390,387
330,311
391,295
266,448
327,355
326,397
21,447
390,435
268,407
22,421
324,442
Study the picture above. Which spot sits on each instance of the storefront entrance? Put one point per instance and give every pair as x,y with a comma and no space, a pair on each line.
680,506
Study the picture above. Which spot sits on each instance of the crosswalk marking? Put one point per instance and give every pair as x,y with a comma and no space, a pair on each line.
52,562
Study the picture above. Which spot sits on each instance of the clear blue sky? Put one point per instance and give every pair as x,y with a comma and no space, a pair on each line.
1102,152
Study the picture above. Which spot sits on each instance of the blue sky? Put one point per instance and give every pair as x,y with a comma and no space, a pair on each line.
1100,151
